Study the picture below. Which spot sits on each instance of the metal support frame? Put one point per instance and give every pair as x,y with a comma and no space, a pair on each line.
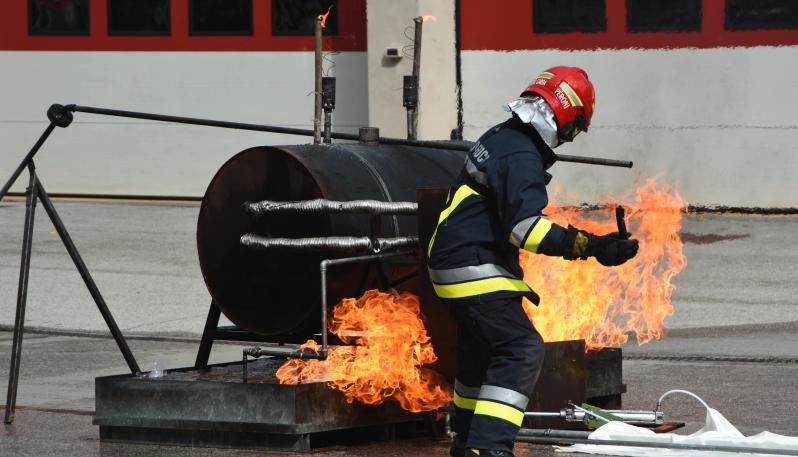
36,192
256,352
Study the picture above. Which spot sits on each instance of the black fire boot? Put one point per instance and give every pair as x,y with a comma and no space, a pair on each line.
458,448
488,453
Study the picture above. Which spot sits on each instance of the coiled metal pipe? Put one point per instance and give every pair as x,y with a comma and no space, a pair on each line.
321,205
333,243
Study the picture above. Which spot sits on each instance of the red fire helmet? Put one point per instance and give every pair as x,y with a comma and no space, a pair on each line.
570,94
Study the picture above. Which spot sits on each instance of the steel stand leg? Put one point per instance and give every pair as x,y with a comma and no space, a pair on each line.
22,296
208,335
88,280
28,160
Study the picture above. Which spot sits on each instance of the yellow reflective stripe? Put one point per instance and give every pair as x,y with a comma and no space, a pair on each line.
461,194
464,402
571,94
546,75
480,286
499,410
537,234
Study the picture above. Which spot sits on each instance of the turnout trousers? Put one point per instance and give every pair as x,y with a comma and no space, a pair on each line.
499,357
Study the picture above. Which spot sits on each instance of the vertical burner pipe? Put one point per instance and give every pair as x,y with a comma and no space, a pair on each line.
318,89
419,22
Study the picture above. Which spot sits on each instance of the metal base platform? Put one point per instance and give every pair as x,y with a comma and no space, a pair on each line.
213,408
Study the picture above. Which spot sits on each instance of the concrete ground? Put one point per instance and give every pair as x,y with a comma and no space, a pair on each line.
733,338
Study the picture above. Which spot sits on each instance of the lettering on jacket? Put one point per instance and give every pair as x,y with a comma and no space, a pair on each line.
479,153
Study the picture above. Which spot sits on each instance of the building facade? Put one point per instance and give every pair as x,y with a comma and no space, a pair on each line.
698,92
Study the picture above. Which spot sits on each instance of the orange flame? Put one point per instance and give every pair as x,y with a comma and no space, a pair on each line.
585,300
427,17
386,362
323,17
579,300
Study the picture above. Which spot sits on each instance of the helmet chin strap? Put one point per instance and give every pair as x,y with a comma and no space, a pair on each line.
534,110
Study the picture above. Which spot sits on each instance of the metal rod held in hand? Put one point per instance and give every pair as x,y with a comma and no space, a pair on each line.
620,213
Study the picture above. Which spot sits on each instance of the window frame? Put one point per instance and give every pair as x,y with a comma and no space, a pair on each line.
168,31
31,31
536,29
193,32
327,31
727,26
630,29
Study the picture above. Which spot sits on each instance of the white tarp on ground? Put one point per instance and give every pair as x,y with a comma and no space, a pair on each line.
716,432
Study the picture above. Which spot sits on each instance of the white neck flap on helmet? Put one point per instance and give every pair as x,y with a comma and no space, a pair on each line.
534,110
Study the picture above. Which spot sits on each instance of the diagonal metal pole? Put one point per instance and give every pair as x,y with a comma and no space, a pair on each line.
27,160
22,295
87,279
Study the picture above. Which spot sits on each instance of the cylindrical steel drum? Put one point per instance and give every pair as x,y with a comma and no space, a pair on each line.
278,292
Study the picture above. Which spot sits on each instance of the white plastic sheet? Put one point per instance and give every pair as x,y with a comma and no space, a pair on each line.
717,431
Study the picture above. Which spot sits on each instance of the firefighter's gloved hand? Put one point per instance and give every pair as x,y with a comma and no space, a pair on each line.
612,249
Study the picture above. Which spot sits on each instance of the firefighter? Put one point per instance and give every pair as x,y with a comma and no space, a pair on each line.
494,208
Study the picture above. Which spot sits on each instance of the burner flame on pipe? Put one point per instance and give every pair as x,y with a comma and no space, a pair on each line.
427,17
323,17
585,300
390,348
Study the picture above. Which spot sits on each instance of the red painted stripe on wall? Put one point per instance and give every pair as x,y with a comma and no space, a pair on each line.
507,26
14,32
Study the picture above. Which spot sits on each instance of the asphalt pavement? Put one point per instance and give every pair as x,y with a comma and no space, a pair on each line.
733,338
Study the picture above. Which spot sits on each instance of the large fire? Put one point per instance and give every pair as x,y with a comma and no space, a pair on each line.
579,300
585,300
391,345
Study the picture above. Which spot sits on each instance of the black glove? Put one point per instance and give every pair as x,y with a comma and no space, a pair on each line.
613,249
610,250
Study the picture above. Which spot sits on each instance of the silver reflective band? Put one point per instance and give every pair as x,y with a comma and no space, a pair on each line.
463,274
503,395
465,391
478,176
521,229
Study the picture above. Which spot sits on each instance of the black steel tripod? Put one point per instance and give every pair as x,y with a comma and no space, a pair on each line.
59,117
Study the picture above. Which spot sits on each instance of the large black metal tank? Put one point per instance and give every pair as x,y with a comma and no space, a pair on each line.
278,292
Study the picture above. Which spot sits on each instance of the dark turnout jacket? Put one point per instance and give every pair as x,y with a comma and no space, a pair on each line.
494,208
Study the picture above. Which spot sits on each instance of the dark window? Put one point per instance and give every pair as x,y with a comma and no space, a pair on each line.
58,17
292,17
221,17
659,16
761,14
559,16
138,17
